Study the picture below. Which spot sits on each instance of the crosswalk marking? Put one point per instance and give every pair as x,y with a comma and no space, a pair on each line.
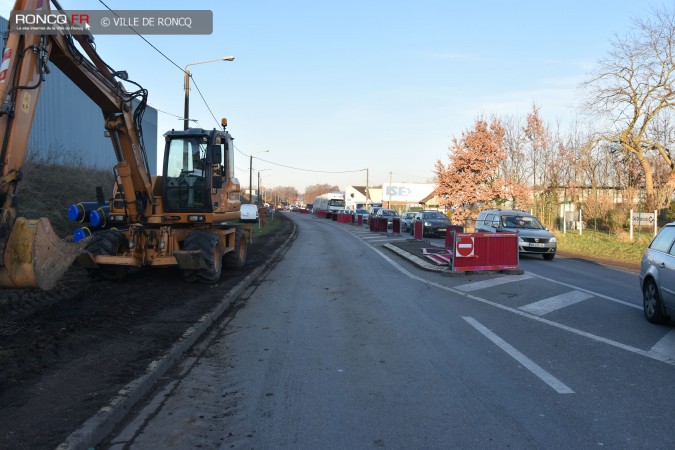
470,287
554,303
666,346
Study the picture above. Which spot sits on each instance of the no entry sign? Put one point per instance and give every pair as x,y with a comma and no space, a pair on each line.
464,246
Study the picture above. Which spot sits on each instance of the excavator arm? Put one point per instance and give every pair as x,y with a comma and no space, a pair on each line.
31,255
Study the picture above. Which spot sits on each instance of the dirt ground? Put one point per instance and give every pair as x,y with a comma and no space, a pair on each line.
65,353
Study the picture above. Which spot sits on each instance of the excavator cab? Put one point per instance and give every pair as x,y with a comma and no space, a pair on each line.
194,167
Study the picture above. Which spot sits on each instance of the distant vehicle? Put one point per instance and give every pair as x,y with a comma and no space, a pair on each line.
373,210
533,237
363,213
434,223
248,213
406,220
388,214
657,277
329,202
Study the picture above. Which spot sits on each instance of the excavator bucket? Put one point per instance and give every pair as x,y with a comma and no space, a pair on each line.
35,257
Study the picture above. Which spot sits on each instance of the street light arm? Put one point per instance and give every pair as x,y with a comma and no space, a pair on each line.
186,111
225,58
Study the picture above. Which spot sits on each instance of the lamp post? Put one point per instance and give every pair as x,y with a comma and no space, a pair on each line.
261,170
186,112
250,174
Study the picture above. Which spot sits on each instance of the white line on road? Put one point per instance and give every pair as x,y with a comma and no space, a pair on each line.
594,337
594,294
470,287
665,347
536,369
555,303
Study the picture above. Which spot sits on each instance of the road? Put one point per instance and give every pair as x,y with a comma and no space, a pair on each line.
346,345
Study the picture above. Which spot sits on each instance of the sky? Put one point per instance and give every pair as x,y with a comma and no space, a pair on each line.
320,91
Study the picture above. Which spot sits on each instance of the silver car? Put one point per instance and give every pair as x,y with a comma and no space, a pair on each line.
533,237
406,220
657,276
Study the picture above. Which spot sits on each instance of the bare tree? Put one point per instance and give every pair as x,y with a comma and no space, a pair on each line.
632,88
280,194
515,170
313,191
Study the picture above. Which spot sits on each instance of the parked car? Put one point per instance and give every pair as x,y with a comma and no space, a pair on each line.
533,237
363,213
435,223
657,276
406,220
388,214
373,210
248,213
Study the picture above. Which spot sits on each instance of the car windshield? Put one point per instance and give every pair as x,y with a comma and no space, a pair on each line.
528,222
433,215
388,212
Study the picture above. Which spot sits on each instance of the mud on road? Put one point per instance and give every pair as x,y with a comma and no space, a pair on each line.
65,353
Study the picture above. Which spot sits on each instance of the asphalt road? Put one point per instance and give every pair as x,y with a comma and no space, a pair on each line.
346,345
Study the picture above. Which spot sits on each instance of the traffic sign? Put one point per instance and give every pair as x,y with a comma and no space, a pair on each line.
464,246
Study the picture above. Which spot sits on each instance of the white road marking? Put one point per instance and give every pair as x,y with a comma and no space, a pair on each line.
536,369
665,347
591,336
470,287
554,303
594,294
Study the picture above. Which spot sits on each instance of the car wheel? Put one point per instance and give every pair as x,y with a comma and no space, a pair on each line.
549,256
653,306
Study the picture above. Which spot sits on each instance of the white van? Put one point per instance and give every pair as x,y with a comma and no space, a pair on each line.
248,213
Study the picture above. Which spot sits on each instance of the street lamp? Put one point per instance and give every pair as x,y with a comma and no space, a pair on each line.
250,174
261,170
186,113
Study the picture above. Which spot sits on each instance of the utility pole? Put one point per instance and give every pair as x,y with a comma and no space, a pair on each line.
367,189
389,191
250,179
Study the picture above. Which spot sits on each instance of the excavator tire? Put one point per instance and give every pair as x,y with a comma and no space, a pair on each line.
108,242
237,258
209,245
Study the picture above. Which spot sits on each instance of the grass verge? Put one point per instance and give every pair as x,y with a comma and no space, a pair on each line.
612,247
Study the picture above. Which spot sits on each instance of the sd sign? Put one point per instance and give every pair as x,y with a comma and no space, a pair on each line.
464,246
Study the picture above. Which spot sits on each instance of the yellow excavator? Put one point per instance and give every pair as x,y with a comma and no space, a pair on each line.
186,218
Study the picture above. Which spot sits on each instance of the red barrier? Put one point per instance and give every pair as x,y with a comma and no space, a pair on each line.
360,220
321,214
377,224
418,230
396,225
344,218
450,235
333,216
484,251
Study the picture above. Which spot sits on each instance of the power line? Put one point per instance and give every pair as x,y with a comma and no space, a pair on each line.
204,100
169,114
298,168
141,36
311,170
168,59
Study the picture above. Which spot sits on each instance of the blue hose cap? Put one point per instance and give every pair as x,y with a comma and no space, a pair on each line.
80,234
74,213
95,218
